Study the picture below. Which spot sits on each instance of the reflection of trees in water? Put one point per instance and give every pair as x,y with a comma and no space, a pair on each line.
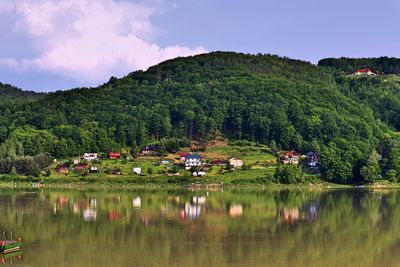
338,228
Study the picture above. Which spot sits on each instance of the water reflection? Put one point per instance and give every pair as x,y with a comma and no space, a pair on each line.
185,228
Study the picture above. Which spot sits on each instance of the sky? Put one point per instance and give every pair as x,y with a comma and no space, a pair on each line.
48,45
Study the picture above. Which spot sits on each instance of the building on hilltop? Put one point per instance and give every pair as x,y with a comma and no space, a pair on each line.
364,72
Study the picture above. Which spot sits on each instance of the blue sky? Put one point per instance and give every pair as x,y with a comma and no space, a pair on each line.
47,45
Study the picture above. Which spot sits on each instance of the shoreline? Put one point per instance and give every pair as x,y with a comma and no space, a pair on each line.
202,185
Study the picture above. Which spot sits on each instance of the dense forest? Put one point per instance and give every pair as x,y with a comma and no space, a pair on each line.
382,65
9,93
285,103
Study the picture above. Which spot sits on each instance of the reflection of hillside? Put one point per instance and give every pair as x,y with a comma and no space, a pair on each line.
338,228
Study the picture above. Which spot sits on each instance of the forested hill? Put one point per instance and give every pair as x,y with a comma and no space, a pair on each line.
383,65
11,93
285,103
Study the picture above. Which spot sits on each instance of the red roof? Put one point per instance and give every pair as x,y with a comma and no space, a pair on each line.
114,155
364,70
183,154
290,154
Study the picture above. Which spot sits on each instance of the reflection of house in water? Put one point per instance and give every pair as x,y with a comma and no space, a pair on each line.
311,211
291,215
93,202
114,216
190,211
137,202
201,200
236,210
308,212
60,204
89,214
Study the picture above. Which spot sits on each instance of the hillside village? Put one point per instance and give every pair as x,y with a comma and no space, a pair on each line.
218,162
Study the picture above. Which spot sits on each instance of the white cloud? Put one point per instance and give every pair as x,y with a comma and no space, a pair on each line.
88,40
9,62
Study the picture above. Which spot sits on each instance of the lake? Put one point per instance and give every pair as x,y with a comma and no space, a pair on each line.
77,227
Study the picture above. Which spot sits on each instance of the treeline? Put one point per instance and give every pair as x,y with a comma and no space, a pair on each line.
11,93
285,103
14,162
383,65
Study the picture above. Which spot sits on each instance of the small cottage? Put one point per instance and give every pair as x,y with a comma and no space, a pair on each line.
235,162
148,151
200,173
137,170
114,155
193,160
313,159
364,72
182,156
90,156
94,169
290,158
164,162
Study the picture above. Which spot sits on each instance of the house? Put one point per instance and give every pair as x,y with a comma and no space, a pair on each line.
90,156
313,159
148,151
164,162
236,162
182,156
201,174
192,160
76,161
137,170
364,72
290,158
114,155
94,169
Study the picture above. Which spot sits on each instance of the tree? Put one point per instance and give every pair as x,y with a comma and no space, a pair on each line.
391,175
289,174
13,172
150,171
371,169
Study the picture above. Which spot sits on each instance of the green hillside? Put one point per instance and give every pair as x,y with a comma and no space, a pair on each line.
9,93
285,103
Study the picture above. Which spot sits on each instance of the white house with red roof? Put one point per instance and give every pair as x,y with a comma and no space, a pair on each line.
290,158
364,72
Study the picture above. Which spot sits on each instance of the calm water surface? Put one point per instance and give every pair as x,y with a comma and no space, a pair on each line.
204,228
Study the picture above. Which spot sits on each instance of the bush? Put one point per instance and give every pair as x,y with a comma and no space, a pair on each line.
391,175
289,174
